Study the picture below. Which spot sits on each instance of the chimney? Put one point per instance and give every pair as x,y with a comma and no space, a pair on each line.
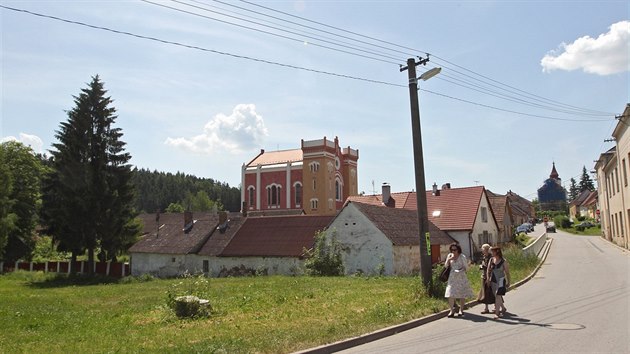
436,191
188,219
446,186
387,192
222,217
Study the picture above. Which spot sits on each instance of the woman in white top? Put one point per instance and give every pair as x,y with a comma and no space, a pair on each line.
458,286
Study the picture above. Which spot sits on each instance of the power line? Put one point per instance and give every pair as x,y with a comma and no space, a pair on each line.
276,34
493,81
510,111
200,48
278,63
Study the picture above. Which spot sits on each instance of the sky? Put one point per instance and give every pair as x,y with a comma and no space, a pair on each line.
523,83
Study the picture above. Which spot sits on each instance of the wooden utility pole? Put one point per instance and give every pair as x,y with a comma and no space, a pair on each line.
418,159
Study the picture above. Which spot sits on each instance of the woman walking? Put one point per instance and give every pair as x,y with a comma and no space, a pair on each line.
457,286
486,295
499,279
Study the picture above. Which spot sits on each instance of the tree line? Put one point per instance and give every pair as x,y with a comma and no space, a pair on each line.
86,195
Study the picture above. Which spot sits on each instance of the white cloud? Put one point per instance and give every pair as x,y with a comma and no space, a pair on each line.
33,141
604,55
243,130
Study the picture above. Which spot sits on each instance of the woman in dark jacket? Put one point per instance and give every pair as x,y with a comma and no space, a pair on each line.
486,296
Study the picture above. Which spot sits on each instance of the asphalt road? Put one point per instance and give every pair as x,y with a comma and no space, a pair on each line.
577,302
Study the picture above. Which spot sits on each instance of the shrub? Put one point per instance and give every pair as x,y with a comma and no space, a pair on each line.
521,240
325,257
562,221
437,287
580,218
579,228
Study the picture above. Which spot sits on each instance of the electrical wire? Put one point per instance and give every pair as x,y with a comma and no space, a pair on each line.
278,63
276,34
493,82
199,48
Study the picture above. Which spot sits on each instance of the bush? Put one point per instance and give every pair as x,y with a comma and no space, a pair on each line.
437,287
562,221
580,218
579,228
325,258
522,240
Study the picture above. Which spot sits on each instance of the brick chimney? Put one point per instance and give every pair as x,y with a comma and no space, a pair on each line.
188,219
222,217
387,192
446,186
436,191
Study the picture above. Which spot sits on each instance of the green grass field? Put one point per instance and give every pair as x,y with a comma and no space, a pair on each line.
591,231
40,313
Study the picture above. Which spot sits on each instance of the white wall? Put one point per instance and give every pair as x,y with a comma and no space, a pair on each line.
364,246
462,238
162,265
406,260
159,265
490,226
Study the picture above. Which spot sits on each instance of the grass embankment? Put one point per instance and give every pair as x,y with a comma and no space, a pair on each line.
591,231
43,314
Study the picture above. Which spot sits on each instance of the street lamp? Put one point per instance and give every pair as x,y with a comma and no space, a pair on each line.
418,160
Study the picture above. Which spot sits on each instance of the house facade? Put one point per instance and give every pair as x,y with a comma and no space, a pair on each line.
380,240
465,214
503,213
315,179
612,183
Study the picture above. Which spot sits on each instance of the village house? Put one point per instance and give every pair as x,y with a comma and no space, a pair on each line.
267,245
612,182
465,214
584,205
522,209
383,241
168,240
503,214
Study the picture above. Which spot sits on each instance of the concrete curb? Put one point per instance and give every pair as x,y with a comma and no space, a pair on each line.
389,331
627,252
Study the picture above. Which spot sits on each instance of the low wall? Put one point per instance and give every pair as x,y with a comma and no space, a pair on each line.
112,269
537,245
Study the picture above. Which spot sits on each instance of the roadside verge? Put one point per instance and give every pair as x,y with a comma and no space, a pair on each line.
388,331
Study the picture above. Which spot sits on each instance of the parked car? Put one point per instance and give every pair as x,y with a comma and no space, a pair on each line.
551,227
523,228
585,224
530,226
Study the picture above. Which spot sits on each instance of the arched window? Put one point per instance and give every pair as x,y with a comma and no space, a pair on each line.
298,194
251,200
314,203
273,195
338,190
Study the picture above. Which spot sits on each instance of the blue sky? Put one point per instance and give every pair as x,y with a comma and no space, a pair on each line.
205,114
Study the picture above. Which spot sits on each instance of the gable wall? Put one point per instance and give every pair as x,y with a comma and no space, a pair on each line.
364,247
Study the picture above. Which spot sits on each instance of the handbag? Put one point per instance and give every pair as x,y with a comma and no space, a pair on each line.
444,274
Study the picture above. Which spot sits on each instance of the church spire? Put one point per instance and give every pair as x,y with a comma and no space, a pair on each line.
554,173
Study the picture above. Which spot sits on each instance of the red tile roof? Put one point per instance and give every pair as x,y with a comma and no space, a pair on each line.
274,157
171,237
275,236
499,204
401,225
458,206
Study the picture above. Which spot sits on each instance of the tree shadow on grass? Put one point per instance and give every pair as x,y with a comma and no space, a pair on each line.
65,280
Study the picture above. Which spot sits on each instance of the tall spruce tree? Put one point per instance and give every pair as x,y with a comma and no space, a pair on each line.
586,183
574,192
89,195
